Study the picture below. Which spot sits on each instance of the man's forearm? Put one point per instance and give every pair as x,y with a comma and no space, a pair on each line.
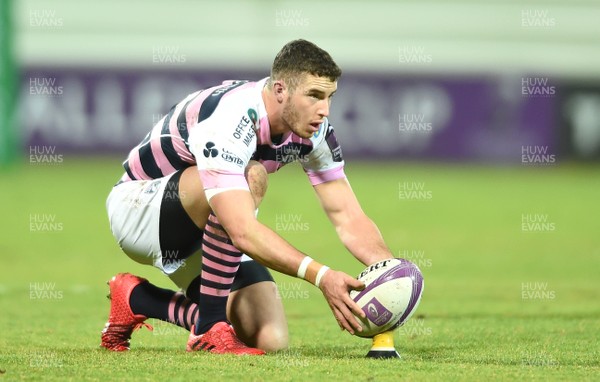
362,238
269,249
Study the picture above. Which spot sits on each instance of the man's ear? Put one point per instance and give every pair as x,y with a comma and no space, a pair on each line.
279,90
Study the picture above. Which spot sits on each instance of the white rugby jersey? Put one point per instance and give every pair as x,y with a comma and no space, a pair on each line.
220,130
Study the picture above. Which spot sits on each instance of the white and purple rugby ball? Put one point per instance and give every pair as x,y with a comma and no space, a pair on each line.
393,290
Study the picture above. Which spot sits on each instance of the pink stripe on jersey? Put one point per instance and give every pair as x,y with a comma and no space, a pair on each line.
217,266
191,117
325,176
222,179
227,247
214,292
217,279
174,129
135,165
157,152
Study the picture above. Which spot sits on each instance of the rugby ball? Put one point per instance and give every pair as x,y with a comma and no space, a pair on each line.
393,289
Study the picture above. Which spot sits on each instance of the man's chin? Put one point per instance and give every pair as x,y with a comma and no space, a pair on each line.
302,133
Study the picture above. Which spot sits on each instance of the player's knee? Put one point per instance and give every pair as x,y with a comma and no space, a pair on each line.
190,187
256,175
272,338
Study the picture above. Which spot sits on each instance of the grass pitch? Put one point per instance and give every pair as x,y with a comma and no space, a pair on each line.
510,256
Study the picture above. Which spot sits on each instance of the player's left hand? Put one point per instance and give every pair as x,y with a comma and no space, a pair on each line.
336,287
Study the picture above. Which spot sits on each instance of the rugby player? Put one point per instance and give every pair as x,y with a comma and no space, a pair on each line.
188,200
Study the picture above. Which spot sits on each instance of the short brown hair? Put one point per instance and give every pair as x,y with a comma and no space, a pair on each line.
300,56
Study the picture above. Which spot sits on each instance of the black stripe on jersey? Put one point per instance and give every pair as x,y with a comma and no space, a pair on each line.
284,154
147,161
182,123
128,170
210,103
167,147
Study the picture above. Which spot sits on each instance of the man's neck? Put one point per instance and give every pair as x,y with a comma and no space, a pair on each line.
273,112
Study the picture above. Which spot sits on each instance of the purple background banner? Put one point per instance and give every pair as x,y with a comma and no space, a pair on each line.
375,116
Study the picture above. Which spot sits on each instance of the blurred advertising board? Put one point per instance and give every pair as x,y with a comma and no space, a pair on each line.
454,118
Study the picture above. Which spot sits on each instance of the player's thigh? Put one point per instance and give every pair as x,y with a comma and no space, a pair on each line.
192,197
179,234
150,224
256,310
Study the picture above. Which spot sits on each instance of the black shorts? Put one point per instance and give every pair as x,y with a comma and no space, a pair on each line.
180,237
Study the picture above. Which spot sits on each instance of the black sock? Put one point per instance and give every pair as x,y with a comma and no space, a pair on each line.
214,309
163,304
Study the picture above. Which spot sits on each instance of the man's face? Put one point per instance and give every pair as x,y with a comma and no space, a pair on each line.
307,104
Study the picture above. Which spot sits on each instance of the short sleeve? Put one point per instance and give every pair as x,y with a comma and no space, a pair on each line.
325,162
223,145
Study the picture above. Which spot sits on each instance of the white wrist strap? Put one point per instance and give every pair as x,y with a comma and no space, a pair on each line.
320,274
304,266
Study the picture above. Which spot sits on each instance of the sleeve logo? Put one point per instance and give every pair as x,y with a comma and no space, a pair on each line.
210,151
334,146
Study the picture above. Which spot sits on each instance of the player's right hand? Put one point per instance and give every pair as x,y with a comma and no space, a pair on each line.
336,287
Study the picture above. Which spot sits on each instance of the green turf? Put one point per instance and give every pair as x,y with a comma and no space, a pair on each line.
466,233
